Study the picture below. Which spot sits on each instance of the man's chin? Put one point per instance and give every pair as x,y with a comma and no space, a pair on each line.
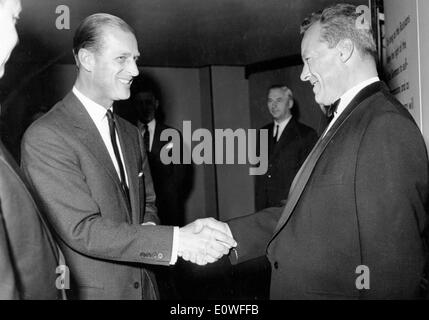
124,95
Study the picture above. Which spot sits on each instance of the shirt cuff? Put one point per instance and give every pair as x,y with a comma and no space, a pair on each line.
175,248
149,223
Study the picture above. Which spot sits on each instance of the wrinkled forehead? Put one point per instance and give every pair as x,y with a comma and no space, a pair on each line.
277,93
311,38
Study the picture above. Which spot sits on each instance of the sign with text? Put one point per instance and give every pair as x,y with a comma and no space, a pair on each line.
401,61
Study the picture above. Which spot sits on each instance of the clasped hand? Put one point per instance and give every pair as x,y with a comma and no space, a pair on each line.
205,241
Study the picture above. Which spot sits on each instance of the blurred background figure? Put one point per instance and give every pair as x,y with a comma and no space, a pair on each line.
289,144
172,182
29,255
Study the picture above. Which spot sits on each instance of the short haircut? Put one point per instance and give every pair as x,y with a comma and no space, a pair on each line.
285,89
89,34
339,22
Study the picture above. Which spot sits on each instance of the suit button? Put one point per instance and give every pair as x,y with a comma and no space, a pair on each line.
276,265
136,285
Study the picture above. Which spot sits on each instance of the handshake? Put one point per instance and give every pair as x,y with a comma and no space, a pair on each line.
205,241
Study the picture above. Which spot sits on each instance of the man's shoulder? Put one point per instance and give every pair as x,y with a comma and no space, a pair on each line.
384,104
268,126
303,127
160,127
54,122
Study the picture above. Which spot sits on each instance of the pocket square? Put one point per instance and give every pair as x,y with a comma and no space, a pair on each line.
169,146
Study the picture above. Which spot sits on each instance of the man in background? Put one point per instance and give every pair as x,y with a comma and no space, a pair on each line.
29,255
171,181
92,175
288,146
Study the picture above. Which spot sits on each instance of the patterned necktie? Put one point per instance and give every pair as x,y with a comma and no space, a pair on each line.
330,110
146,137
113,133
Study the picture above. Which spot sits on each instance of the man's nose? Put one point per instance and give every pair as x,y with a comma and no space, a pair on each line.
133,69
305,74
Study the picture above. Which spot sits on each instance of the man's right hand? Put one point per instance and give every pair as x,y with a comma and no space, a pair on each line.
205,241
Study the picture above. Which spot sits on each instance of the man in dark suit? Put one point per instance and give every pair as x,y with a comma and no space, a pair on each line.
288,146
91,173
171,181
29,256
354,223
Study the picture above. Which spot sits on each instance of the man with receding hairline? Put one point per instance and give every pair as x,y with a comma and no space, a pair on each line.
288,146
90,170
354,223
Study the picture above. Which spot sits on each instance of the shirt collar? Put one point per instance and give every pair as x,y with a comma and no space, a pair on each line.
96,111
151,125
282,123
350,94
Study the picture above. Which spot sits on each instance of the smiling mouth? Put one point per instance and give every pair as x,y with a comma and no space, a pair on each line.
126,82
314,86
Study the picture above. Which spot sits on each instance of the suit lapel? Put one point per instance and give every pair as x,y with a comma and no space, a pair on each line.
89,135
271,145
156,144
307,168
285,137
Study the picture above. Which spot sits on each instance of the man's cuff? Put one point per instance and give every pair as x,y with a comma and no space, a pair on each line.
149,223
175,247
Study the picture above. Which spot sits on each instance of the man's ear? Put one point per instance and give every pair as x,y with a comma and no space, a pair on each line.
156,104
345,48
86,59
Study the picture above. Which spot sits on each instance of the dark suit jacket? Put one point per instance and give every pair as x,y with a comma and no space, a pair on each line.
28,254
284,160
169,180
360,199
105,246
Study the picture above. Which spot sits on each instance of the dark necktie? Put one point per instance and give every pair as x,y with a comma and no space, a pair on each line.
112,129
276,135
146,136
330,110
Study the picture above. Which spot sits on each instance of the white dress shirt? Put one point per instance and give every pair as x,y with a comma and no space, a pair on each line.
282,125
98,115
347,97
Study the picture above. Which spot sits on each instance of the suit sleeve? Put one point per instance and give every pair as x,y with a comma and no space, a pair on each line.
391,200
54,169
8,285
252,233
